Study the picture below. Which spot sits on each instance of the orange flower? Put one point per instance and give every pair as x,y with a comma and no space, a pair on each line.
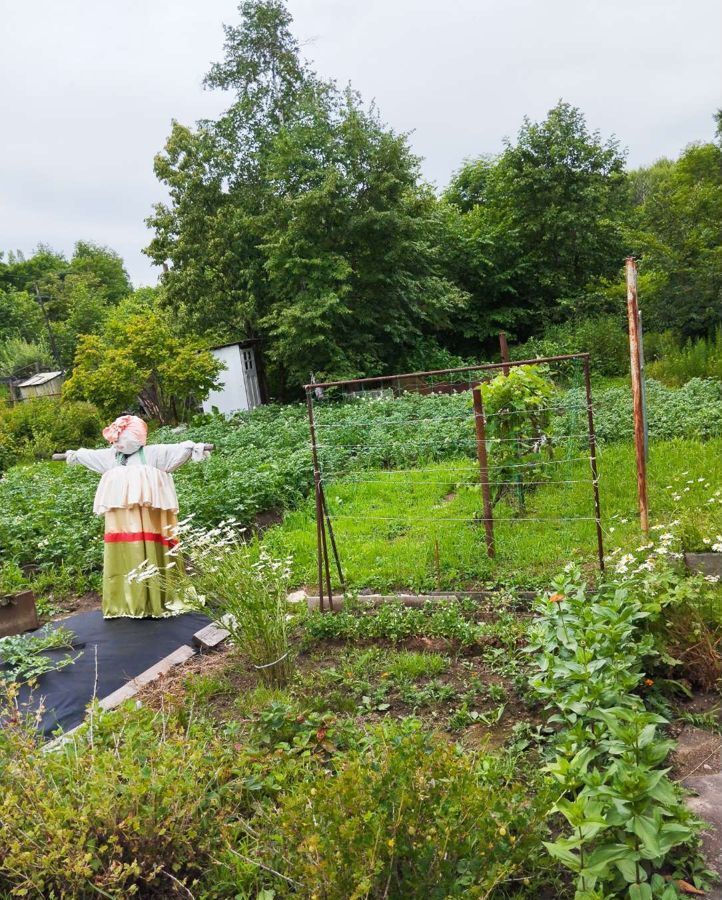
649,682
557,598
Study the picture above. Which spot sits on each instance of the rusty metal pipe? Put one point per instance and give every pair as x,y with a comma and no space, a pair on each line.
486,367
327,515
319,511
327,567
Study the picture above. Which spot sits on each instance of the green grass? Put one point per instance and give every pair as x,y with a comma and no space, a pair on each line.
389,523
410,666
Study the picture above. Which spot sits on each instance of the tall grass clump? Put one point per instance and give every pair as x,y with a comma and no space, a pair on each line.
239,587
695,359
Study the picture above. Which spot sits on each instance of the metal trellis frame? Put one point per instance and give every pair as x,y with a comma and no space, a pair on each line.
324,527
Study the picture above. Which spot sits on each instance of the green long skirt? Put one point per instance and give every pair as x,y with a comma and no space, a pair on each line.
135,536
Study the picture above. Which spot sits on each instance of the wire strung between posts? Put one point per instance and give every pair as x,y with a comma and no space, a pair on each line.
543,440
468,416
362,451
451,482
475,520
392,423
443,443
537,464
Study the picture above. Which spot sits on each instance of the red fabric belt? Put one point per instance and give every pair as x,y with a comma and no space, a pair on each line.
117,537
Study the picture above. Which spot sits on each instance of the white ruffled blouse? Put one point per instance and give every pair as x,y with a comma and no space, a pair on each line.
137,483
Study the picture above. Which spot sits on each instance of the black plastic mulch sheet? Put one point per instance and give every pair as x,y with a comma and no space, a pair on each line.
109,653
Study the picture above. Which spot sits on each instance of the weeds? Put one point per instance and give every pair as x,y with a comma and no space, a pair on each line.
242,589
23,655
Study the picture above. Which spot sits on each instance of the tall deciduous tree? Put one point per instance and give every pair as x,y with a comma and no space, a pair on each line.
138,355
299,217
677,232
548,212
561,189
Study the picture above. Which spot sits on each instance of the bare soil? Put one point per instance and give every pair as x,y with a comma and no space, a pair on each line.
231,678
71,605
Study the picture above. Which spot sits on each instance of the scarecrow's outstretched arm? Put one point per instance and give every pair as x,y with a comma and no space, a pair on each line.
170,457
96,459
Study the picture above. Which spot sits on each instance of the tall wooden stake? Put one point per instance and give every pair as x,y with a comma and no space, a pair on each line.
480,423
504,347
637,391
593,461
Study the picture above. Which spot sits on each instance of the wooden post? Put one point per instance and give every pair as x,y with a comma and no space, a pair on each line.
593,461
480,423
637,391
644,385
504,347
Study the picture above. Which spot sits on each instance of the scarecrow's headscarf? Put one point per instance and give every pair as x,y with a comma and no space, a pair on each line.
127,434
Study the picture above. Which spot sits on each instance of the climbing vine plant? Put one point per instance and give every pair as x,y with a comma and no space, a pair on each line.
518,409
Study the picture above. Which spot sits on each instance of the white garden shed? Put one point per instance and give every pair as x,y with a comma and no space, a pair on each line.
239,388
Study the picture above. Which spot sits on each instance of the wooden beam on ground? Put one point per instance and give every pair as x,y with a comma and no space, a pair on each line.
129,690
419,599
181,655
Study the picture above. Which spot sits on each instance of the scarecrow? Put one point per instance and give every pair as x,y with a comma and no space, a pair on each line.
137,496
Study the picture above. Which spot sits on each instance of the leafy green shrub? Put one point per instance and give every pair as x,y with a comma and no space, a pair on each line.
625,815
134,811
518,407
157,805
412,816
139,355
35,429
692,411
603,337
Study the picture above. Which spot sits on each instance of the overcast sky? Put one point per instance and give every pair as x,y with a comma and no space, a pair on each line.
88,89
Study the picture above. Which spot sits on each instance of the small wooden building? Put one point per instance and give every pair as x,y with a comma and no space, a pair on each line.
42,384
240,387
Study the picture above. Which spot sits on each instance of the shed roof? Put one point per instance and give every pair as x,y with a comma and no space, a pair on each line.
38,379
245,343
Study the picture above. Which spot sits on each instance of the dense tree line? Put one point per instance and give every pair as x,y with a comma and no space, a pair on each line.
119,347
300,218
47,301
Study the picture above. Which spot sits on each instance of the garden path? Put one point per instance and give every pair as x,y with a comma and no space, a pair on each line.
699,752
